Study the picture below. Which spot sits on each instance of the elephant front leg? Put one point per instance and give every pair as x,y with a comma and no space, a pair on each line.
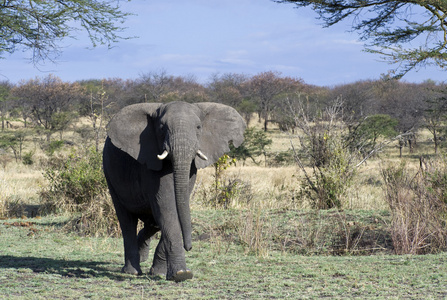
169,257
170,263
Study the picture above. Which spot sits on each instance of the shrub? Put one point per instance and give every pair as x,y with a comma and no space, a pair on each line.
53,146
27,158
279,159
255,144
77,185
324,147
418,207
225,191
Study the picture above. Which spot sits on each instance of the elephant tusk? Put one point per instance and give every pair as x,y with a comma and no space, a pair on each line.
163,155
201,155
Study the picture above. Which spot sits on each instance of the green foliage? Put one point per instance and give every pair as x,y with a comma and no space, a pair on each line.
374,127
61,120
327,151
53,146
282,158
13,140
27,158
392,26
223,193
41,25
246,108
255,144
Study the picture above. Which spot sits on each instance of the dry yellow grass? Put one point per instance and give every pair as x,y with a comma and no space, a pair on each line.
20,181
19,184
269,187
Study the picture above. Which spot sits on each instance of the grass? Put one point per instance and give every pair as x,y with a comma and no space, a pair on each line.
39,261
268,244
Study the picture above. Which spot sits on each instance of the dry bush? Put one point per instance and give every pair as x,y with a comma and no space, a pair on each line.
418,207
98,218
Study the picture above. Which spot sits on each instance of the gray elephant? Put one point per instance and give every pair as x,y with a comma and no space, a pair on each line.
150,159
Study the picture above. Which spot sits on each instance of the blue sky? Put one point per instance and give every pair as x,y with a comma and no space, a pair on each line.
204,37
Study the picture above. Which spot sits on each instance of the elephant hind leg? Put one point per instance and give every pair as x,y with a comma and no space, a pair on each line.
144,238
159,265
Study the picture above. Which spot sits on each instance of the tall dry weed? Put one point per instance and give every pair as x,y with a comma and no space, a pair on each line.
253,232
418,207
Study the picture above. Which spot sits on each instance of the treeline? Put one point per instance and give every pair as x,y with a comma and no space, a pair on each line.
51,104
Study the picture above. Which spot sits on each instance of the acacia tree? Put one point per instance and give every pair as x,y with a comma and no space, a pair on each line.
389,26
41,25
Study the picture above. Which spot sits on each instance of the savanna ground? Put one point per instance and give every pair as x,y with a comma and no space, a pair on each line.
268,243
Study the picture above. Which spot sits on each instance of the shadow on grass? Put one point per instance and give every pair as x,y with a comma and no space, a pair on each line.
67,268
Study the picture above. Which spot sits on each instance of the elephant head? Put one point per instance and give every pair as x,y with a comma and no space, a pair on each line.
182,133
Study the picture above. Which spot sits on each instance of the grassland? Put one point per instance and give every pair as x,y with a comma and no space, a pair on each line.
267,244
39,261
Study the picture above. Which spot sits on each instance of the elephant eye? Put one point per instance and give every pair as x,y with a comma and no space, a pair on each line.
199,127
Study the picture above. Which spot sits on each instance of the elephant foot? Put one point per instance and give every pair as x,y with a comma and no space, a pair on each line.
158,272
129,269
182,275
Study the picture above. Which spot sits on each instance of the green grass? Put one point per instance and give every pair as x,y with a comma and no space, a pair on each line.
40,260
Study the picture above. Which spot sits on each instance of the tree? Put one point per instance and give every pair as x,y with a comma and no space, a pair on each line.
5,88
14,141
160,87
255,144
435,113
389,26
267,86
49,97
96,110
41,25
374,127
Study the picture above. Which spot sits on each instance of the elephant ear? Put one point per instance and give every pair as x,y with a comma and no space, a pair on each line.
221,124
132,130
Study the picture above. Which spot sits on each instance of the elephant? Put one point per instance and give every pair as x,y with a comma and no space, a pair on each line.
151,156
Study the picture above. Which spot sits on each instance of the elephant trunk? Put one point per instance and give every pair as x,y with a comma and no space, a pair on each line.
182,169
